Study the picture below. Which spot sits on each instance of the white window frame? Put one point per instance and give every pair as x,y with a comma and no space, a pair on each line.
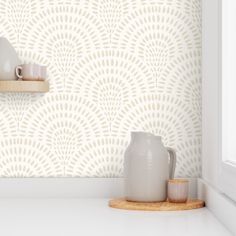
227,170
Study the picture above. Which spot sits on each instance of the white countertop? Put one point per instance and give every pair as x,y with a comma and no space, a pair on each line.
69,217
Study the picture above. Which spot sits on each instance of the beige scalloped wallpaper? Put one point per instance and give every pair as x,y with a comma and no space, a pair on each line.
113,66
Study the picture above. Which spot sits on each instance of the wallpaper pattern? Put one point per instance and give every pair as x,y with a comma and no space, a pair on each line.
113,66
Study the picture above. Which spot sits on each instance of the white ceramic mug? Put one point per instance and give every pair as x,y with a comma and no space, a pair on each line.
43,73
31,72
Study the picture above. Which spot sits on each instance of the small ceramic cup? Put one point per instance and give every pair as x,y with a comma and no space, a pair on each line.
43,72
31,72
177,190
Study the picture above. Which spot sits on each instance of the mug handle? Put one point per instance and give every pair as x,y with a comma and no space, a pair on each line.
172,164
18,68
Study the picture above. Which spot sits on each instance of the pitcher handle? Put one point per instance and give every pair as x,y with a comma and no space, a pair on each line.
172,164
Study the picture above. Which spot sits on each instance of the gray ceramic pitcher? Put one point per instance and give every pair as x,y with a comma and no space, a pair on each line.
147,167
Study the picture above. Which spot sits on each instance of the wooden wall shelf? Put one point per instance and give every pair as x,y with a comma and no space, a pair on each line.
24,86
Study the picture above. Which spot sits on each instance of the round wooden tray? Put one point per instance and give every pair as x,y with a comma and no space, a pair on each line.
121,203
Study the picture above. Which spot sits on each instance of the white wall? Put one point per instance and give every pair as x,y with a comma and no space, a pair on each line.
210,90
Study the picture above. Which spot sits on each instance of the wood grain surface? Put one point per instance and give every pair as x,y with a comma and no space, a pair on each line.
156,206
24,86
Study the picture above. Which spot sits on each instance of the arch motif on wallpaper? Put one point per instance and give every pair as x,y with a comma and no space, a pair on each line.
64,122
102,157
64,34
24,157
111,78
157,34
